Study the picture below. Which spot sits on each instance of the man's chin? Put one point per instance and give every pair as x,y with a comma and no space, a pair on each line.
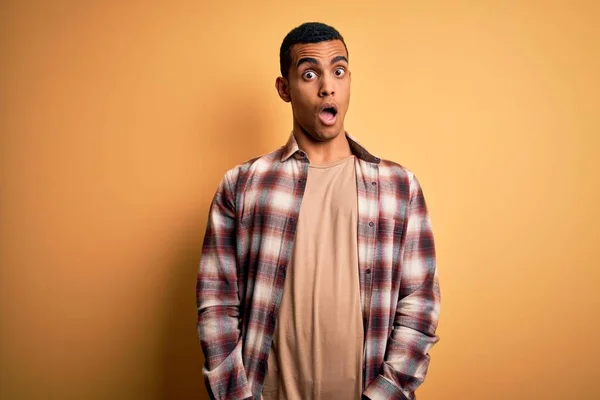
322,133
325,133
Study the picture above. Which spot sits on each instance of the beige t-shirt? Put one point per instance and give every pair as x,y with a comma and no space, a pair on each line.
318,341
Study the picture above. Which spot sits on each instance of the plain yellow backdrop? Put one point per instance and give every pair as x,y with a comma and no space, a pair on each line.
120,117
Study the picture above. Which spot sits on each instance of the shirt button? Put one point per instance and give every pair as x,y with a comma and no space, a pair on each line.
374,183
368,271
371,224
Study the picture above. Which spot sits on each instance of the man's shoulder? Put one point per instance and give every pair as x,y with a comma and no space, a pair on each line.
260,163
394,170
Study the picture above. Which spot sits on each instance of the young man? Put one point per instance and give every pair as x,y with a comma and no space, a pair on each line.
318,277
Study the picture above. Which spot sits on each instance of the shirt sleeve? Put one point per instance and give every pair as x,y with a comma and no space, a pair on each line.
218,302
417,312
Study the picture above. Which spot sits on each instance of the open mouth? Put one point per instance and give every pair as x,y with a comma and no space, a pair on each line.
328,114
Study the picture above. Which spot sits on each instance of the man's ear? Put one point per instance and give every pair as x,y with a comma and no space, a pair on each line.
281,84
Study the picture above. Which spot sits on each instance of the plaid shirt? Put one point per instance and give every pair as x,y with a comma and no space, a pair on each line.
247,248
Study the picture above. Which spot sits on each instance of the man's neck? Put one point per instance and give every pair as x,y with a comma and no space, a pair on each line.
324,152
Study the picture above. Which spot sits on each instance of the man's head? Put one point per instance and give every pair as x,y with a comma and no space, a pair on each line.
315,79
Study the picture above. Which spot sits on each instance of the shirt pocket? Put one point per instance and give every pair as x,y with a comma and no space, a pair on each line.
386,240
250,218
389,239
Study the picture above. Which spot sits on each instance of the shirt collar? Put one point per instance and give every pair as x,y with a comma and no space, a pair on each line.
291,148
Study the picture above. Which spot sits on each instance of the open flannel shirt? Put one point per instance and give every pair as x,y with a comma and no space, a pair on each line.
247,248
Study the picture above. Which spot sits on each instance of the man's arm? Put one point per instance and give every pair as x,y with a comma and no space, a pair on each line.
218,302
407,359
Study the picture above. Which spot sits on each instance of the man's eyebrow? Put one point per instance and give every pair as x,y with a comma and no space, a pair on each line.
314,61
309,60
338,59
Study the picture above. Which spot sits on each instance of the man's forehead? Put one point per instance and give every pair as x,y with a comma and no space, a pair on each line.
326,50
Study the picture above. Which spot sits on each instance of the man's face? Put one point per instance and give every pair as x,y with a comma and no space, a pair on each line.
319,88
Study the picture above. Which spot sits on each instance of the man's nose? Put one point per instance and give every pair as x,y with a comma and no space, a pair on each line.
327,87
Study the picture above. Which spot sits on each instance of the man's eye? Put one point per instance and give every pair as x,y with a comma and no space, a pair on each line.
339,72
310,75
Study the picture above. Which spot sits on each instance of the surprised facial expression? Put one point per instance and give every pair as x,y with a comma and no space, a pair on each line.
318,86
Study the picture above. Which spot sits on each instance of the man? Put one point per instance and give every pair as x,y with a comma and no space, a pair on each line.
318,277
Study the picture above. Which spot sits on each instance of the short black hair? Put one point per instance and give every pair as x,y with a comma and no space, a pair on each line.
309,32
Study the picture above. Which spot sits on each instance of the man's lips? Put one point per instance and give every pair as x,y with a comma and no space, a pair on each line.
327,106
328,114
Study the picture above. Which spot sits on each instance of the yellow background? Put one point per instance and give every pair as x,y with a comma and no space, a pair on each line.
118,119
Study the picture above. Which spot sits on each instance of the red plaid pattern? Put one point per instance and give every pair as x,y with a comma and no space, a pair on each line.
248,245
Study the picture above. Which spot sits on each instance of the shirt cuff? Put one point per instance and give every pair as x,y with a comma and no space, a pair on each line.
381,389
